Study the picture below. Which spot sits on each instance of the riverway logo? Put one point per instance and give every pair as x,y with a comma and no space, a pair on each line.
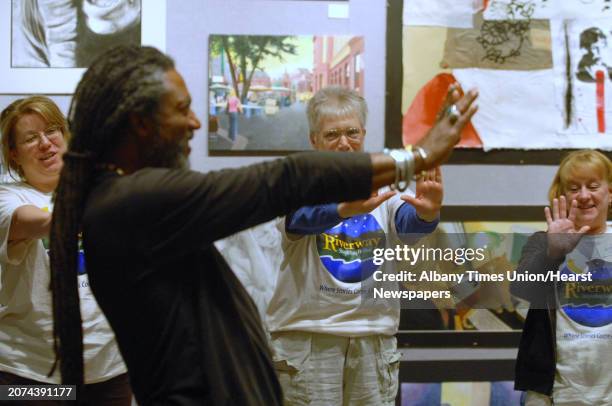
588,303
346,250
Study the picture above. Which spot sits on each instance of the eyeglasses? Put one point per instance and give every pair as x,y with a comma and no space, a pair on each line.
351,133
31,139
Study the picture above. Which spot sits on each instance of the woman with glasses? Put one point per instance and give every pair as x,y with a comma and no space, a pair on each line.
333,344
34,138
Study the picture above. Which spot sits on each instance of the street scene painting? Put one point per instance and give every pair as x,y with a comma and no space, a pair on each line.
259,87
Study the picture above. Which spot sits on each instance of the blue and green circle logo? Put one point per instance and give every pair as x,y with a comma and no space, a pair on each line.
347,250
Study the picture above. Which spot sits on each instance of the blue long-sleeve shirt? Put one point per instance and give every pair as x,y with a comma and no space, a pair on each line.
317,219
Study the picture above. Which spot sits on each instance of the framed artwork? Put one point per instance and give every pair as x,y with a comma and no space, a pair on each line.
496,393
259,87
46,46
474,305
512,51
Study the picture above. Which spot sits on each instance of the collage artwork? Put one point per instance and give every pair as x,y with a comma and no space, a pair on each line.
555,56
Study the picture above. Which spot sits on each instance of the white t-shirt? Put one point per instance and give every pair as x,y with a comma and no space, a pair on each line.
584,326
320,285
26,321
255,255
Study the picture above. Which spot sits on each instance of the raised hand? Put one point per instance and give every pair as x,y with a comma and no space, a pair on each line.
563,234
429,193
442,138
438,143
350,209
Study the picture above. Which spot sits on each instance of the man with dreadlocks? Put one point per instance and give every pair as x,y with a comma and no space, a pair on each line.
187,330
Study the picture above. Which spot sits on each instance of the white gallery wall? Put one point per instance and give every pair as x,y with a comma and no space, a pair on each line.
190,22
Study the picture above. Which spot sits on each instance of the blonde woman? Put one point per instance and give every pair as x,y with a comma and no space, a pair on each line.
34,138
566,347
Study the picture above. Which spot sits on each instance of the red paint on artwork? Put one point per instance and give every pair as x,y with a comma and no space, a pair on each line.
422,113
600,80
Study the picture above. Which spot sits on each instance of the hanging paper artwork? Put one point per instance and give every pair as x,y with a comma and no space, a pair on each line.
544,79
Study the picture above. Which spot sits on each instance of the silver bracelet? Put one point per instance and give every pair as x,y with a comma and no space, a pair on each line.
422,154
404,167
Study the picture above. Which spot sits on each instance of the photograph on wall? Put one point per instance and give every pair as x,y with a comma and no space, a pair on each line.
259,87
473,305
587,83
47,45
511,50
68,34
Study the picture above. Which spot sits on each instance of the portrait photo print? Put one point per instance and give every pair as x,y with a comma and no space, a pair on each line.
70,33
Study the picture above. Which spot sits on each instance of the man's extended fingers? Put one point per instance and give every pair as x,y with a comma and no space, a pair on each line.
464,103
452,95
465,118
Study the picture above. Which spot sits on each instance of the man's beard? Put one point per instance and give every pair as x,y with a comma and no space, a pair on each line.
161,153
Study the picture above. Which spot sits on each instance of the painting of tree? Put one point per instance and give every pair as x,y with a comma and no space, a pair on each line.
244,54
259,87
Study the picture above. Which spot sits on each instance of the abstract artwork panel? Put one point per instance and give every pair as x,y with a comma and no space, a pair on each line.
460,394
543,77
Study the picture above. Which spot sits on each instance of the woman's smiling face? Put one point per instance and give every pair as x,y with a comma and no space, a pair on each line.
592,193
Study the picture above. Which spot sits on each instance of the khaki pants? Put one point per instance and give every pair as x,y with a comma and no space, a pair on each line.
322,369
536,399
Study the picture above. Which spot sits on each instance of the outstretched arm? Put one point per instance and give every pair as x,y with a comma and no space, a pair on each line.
29,222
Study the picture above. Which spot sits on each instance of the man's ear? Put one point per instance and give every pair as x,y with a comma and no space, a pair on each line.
142,127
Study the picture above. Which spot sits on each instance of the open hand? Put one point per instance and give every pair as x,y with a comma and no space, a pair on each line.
350,209
439,142
563,234
428,197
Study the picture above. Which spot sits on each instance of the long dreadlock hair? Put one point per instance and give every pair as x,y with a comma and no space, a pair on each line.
123,81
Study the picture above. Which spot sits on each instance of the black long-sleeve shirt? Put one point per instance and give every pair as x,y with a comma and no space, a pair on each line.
187,329
535,363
